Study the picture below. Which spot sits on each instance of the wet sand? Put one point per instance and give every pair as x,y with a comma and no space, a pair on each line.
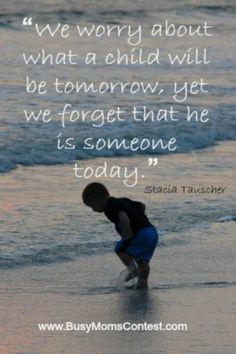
74,292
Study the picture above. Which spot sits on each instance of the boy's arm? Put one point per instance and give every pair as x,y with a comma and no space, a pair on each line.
143,207
124,223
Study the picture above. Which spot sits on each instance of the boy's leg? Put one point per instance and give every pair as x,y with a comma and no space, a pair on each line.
125,258
143,273
132,267
142,248
143,268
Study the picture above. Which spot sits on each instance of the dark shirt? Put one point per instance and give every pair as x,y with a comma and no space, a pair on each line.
134,210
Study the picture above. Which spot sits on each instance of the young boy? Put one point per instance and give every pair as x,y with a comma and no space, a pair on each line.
138,236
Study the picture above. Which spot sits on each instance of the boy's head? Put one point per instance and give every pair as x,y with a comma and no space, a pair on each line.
95,195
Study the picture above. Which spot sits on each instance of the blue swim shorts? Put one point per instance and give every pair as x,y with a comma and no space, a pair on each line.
142,246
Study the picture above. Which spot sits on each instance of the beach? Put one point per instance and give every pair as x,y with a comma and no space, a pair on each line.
66,270
54,295
120,116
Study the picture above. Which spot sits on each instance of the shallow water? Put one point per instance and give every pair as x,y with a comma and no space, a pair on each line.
43,219
197,291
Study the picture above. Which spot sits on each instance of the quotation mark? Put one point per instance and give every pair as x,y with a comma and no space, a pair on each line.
152,161
27,21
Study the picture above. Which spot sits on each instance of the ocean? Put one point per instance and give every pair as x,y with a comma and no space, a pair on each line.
51,245
35,143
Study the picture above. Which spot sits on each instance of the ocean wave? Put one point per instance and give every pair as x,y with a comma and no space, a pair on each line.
98,290
67,252
59,253
216,8
227,218
36,144
12,14
72,16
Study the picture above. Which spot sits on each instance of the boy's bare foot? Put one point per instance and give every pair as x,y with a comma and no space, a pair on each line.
142,284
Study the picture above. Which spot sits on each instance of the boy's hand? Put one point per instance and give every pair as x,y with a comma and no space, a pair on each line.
124,222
